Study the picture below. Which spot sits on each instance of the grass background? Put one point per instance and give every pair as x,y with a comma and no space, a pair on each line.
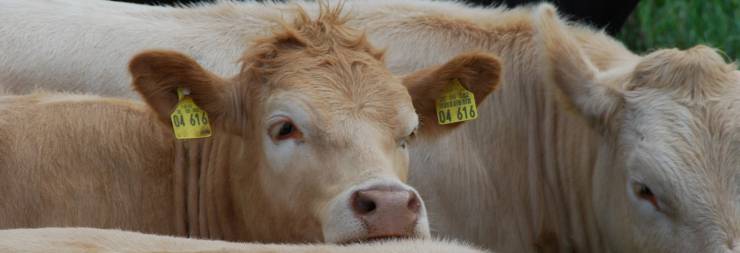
682,24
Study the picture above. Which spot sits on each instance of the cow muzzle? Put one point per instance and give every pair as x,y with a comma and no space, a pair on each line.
376,211
387,212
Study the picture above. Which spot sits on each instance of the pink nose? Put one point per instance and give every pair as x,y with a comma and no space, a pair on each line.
387,212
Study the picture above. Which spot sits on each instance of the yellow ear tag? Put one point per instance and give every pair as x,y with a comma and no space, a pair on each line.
456,104
188,120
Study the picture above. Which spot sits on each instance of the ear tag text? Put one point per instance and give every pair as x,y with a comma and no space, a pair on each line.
188,120
456,104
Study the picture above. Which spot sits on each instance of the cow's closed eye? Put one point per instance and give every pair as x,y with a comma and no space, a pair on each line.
284,129
403,142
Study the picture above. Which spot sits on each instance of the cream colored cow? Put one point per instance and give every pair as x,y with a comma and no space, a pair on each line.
666,175
532,174
71,240
309,144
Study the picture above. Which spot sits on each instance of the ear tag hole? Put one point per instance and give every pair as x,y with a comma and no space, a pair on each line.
456,104
188,120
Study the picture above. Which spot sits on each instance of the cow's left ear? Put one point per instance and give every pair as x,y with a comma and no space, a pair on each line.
479,73
158,74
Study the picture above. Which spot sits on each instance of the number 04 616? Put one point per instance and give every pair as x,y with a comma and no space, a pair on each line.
461,113
195,119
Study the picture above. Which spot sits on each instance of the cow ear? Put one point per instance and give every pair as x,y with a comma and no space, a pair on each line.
157,75
479,73
567,66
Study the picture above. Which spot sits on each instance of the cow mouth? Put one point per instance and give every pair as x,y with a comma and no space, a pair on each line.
374,239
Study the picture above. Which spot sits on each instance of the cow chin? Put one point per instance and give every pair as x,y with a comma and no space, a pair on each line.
377,209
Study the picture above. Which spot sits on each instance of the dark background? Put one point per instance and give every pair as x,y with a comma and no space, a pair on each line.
608,14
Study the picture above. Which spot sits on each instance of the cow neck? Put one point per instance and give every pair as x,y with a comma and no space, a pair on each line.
561,149
563,159
202,197
558,154
563,162
561,155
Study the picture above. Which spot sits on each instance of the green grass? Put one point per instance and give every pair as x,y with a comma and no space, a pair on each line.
682,24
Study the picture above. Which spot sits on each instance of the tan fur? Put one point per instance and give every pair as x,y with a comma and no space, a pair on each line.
530,173
102,186
111,163
477,72
515,180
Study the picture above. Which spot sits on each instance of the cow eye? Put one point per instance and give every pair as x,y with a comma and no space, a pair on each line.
644,193
283,130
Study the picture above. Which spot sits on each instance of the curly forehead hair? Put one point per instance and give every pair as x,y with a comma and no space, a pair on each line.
318,36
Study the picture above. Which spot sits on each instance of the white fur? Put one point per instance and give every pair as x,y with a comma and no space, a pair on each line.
668,125
71,240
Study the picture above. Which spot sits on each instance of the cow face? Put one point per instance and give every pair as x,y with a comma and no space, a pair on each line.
668,172
323,127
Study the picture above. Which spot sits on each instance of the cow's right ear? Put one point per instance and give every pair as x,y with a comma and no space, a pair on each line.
566,65
158,74
479,73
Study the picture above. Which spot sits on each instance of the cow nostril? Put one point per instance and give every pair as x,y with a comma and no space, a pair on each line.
414,203
363,204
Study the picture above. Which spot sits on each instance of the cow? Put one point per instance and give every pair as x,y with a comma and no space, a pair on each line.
308,143
665,176
50,50
69,240
536,173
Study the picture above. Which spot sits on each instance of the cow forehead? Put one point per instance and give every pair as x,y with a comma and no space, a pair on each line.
333,119
337,91
697,73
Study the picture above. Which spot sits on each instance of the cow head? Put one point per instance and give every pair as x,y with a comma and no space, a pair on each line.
667,177
322,128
